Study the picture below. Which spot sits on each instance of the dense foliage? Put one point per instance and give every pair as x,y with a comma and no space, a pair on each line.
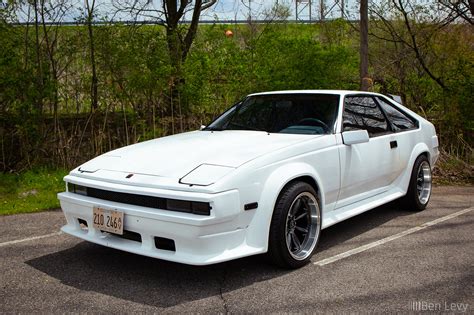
46,112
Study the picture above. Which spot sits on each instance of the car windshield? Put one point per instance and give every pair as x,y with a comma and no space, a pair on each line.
281,113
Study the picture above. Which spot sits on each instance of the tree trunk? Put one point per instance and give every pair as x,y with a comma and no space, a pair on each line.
179,41
94,83
365,81
50,47
39,67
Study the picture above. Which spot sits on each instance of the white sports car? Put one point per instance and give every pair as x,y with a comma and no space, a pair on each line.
264,177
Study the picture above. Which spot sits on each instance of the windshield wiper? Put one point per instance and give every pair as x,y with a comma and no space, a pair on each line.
213,129
246,127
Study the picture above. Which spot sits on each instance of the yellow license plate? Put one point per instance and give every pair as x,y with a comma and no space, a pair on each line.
108,220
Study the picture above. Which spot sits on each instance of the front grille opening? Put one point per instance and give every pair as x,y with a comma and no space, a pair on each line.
83,224
130,235
194,207
165,244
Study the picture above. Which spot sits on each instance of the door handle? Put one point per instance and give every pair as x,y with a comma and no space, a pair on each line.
393,144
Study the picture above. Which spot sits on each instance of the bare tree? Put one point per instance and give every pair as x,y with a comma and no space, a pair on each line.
179,36
170,14
463,9
412,27
180,39
53,11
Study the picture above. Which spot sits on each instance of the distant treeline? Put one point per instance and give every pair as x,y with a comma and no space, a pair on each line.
65,98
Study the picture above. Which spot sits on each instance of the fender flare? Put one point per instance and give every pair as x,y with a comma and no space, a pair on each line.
419,149
259,229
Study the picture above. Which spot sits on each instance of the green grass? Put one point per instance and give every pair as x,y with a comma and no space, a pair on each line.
30,191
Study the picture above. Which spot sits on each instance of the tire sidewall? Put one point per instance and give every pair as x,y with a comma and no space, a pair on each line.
282,208
413,193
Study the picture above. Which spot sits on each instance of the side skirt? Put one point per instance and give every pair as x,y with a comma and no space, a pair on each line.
346,212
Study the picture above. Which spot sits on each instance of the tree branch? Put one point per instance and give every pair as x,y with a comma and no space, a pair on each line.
415,45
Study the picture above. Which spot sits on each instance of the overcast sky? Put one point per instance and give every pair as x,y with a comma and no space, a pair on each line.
241,9
229,9
223,10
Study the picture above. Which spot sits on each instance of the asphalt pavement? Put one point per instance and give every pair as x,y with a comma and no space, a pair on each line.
386,260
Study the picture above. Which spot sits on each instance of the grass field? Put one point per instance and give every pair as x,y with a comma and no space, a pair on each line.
31,191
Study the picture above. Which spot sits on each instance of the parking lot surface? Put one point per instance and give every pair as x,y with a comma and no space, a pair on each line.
388,259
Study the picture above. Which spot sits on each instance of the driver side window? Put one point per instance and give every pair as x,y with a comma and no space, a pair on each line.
361,112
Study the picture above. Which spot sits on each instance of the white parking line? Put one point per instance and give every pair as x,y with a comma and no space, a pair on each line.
29,239
390,238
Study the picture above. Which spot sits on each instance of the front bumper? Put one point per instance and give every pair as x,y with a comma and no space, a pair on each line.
199,240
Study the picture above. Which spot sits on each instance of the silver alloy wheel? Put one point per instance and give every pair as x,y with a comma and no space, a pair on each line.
303,223
423,182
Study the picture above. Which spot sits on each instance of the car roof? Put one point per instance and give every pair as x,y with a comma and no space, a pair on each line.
337,92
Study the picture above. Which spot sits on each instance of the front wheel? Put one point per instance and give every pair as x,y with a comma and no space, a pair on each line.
419,189
295,226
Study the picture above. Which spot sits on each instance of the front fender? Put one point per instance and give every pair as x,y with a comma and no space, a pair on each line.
259,229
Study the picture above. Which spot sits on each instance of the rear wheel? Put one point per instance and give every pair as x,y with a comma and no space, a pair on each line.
295,226
419,189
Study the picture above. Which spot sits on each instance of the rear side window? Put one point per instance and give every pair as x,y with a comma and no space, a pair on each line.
361,112
400,121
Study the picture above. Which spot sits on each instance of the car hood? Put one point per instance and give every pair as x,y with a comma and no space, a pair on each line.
177,155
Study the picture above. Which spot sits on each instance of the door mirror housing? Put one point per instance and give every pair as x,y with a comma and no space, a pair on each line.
202,127
355,136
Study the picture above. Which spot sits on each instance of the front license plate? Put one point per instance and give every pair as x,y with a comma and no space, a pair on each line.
108,220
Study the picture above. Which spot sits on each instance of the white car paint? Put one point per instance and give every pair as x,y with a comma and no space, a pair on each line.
195,148
231,169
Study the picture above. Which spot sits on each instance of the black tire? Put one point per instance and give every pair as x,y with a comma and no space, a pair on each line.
419,189
287,228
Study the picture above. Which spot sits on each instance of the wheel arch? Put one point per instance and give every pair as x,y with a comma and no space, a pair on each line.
308,179
425,153
418,150
275,183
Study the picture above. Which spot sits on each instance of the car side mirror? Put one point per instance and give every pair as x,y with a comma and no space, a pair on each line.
202,127
355,136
